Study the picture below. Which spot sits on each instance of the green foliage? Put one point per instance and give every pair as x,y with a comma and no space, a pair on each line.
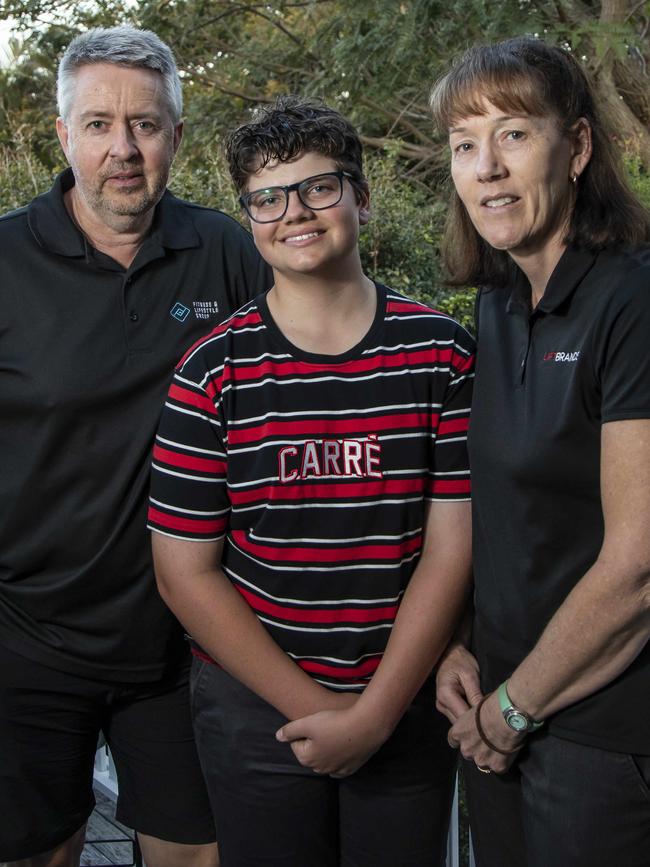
639,179
460,305
373,59
399,245
21,178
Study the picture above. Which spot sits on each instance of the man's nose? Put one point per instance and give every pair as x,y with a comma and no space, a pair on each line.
123,145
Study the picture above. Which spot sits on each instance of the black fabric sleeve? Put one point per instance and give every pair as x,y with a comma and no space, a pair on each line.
625,355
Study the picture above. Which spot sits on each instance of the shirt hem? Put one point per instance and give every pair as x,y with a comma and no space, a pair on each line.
47,657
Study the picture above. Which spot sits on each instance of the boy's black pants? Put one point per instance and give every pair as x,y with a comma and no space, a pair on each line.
270,810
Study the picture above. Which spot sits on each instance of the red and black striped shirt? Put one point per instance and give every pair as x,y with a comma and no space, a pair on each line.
316,469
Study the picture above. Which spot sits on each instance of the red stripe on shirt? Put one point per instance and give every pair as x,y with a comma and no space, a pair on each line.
177,459
322,615
381,361
191,398
331,427
341,672
456,486
322,491
342,553
453,425
188,525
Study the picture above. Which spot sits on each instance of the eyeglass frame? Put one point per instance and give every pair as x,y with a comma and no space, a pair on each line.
289,188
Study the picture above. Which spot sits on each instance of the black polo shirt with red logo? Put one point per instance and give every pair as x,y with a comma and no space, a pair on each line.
546,382
87,350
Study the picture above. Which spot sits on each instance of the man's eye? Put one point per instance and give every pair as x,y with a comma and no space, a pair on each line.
145,125
96,124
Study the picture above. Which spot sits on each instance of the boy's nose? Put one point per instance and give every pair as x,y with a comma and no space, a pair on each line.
296,209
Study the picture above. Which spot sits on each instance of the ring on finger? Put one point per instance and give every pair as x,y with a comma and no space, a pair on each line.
483,769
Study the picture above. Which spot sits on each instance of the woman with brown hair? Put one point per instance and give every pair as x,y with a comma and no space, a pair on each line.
549,692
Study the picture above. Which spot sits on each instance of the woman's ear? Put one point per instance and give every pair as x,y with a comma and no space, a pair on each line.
581,139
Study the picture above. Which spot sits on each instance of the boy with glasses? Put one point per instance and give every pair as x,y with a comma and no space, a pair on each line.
310,502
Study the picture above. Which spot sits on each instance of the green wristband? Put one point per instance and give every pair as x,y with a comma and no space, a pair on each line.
518,720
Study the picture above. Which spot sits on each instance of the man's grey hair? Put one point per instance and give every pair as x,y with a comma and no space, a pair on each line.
124,46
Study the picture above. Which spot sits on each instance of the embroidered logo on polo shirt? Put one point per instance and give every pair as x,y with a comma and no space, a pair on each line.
562,356
205,309
180,312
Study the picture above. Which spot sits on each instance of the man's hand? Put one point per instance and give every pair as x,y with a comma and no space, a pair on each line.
464,734
334,742
458,687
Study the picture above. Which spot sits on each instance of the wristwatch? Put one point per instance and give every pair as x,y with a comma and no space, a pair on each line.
518,720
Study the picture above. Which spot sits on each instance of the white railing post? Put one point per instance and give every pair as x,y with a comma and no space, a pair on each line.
453,848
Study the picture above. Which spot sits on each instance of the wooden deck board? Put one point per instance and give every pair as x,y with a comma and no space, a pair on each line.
103,826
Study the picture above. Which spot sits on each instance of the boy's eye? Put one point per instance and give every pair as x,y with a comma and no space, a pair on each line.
266,199
320,187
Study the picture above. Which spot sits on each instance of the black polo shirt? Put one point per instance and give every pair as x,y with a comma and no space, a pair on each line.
87,350
546,381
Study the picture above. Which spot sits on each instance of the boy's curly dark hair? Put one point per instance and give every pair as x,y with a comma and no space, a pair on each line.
287,128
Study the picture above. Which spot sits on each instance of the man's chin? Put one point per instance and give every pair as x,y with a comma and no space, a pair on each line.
129,205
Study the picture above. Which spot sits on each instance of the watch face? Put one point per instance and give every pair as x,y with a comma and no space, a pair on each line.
517,721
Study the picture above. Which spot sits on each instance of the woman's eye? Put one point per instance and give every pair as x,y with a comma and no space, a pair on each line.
515,135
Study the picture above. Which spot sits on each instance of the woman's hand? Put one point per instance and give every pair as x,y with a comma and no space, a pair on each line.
458,688
334,742
464,735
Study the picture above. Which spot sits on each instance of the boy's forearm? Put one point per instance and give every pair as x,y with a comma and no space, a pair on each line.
222,622
430,610
421,633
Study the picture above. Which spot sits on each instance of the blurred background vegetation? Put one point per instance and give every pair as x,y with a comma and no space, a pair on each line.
373,59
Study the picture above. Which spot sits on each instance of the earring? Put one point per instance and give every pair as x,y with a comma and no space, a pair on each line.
574,179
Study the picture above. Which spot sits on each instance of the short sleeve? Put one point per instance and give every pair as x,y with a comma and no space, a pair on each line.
625,353
449,475
189,494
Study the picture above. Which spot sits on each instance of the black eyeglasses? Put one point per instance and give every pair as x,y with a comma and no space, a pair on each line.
316,193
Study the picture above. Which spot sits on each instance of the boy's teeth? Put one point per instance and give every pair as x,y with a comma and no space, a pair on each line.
496,203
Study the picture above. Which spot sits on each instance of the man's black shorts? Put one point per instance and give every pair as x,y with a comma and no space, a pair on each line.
49,727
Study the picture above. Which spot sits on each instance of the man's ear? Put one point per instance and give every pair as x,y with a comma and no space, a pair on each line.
63,134
178,136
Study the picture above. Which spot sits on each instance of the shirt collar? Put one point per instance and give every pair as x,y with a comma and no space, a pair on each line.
565,279
54,229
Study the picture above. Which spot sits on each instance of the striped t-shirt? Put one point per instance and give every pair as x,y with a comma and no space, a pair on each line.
316,469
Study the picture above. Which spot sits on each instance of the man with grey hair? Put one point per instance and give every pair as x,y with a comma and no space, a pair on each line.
105,280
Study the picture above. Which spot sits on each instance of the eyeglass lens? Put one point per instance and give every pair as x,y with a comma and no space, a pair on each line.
317,193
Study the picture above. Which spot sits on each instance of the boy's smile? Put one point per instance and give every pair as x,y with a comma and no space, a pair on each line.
307,241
